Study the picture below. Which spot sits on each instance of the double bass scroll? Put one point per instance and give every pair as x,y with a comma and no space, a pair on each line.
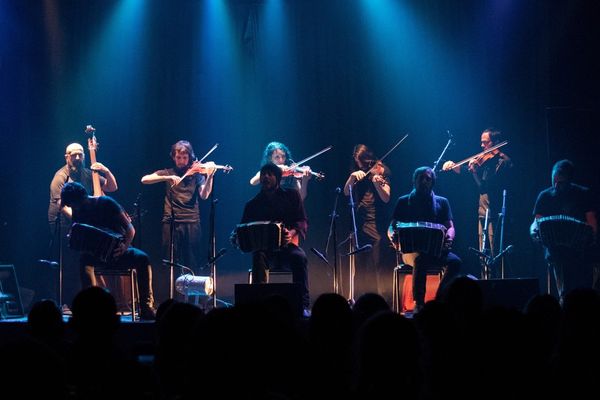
92,147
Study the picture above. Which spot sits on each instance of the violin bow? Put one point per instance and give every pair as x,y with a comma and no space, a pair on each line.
318,153
210,151
384,156
497,146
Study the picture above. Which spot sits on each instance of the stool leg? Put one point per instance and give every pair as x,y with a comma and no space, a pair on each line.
395,294
133,280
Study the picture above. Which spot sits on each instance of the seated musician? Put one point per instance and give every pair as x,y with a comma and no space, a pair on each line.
571,267
105,213
276,204
421,204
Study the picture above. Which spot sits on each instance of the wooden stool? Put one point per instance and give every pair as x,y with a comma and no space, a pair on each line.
402,294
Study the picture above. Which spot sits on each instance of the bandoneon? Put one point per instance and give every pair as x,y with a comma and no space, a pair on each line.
98,242
260,235
420,237
564,231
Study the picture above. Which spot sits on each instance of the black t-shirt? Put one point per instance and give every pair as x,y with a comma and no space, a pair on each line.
575,201
61,177
413,208
185,197
102,212
284,205
367,200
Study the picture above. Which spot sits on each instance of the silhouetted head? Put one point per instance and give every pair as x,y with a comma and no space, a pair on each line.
45,319
95,313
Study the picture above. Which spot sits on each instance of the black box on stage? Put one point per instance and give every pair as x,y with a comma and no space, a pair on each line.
508,292
256,293
10,296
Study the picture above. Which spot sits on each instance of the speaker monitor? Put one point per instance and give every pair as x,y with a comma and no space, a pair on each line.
257,293
10,296
508,292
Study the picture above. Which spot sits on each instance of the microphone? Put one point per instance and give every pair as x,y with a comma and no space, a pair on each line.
481,254
338,190
216,257
52,264
366,247
319,254
507,250
174,264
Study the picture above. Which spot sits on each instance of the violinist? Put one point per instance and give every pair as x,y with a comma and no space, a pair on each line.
489,171
292,177
371,191
185,185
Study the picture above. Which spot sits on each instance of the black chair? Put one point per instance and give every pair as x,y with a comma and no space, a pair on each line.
133,285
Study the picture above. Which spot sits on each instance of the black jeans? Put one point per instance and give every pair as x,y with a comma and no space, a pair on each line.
186,243
132,258
292,256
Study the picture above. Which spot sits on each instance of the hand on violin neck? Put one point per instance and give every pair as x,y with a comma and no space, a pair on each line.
379,179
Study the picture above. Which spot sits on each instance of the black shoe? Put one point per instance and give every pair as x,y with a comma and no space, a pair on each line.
147,314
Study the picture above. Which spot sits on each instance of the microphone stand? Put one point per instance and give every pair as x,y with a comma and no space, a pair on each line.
436,163
171,245
212,244
58,234
332,233
213,256
485,272
501,217
354,248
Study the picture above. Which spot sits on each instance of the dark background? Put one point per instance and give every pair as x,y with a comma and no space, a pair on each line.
306,73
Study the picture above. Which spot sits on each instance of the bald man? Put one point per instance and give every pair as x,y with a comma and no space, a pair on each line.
73,171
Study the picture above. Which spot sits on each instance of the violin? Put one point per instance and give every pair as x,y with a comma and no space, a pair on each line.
476,160
204,168
376,169
299,171
480,160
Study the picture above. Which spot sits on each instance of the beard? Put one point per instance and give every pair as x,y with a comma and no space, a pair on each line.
76,167
180,171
